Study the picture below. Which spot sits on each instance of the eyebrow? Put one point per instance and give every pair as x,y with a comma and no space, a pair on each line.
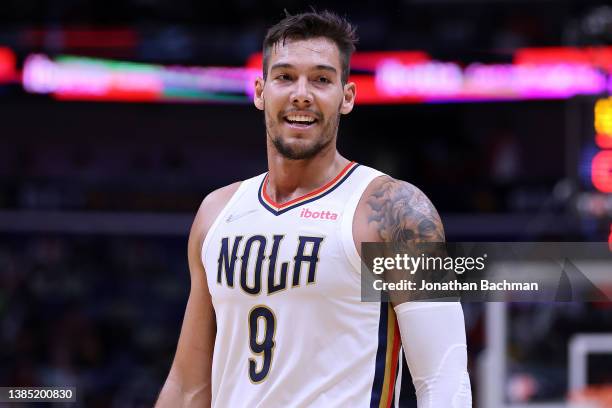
320,67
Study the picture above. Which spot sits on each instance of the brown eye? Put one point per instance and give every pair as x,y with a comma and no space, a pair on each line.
324,80
283,77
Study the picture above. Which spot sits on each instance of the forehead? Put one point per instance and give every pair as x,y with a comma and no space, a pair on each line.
306,53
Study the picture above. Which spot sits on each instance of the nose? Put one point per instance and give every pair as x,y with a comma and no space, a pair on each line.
301,94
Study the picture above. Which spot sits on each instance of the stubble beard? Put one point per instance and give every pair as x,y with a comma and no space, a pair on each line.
292,152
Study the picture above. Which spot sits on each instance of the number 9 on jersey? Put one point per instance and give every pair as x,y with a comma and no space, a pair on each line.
261,345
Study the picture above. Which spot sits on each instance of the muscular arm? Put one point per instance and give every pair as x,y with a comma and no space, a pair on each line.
189,381
395,212
433,333
399,212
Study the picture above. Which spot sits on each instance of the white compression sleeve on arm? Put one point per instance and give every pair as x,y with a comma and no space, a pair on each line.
433,337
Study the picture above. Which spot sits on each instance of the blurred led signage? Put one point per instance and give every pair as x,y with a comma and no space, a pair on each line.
8,71
601,165
94,79
437,81
603,123
601,171
381,78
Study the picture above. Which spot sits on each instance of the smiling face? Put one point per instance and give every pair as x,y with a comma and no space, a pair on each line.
303,97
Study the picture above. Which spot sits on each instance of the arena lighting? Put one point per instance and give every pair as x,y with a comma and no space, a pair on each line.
381,78
94,79
604,141
603,123
8,72
601,171
599,57
436,81
88,79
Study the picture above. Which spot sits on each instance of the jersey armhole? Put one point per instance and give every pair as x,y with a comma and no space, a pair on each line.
239,191
346,227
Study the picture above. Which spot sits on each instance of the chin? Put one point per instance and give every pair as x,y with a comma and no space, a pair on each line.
299,140
300,134
299,149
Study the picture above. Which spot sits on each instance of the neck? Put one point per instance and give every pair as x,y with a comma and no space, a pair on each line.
289,179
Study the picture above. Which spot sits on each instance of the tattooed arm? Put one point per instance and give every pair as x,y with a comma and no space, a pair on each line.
401,213
432,333
396,212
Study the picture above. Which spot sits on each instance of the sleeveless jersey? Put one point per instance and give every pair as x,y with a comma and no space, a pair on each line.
292,330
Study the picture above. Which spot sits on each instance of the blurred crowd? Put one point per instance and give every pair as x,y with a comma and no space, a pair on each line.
102,315
468,158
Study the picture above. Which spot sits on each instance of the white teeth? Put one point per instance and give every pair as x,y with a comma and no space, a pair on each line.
300,118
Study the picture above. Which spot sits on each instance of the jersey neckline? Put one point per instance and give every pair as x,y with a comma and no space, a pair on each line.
278,209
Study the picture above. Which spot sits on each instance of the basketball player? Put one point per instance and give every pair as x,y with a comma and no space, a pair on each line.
274,316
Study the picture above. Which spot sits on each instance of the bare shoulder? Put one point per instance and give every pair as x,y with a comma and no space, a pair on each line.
393,210
212,205
210,208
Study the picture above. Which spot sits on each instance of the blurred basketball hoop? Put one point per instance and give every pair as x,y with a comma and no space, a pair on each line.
596,396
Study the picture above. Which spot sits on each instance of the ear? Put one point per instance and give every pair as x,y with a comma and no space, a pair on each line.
258,97
350,92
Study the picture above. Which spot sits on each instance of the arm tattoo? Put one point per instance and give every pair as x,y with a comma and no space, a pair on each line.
403,214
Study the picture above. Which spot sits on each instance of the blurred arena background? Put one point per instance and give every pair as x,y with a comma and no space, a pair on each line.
118,117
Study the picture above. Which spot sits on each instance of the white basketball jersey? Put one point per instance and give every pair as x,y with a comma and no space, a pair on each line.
292,330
